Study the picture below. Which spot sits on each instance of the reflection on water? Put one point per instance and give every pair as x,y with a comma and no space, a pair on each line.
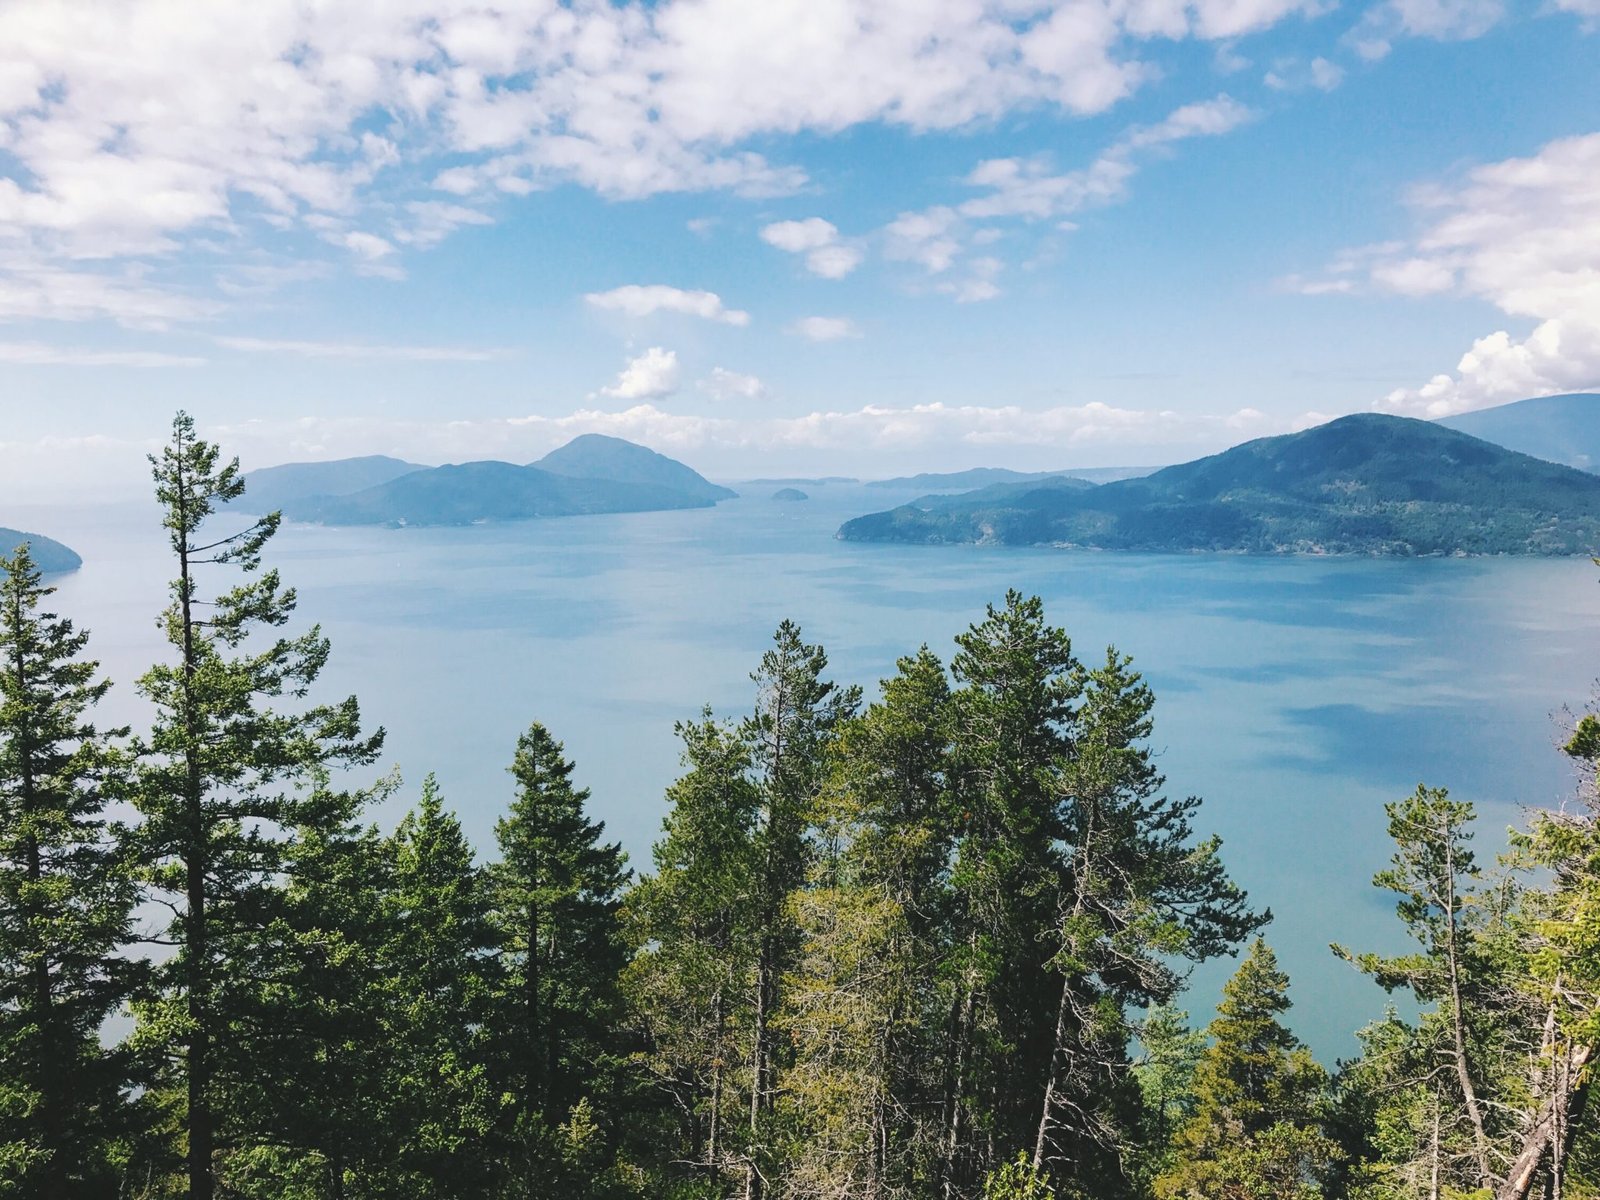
1295,695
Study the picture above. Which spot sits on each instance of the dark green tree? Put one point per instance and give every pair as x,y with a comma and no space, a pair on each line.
1256,1132
690,987
1012,717
1138,897
555,896
442,976
797,715
236,759
66,895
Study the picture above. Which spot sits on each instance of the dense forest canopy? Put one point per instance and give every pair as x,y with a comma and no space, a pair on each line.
927,943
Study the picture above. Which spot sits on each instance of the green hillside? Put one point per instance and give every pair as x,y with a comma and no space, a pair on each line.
1364,484
1562,429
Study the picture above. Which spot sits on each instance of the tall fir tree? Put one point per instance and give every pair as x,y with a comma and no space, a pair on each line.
1013,714
66,895
442,974
235,760
555,893
1257,1129
1139,897
797,715
690,986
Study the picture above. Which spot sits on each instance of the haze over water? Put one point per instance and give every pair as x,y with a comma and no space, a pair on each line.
1296,695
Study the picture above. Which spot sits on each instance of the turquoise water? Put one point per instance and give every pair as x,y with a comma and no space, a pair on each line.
1295,695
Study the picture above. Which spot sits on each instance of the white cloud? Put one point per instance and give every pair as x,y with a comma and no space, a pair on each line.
723,384
1439,20
132,133
825,329
38,354
1032,190
358,350
826,253
1292,75
637,300
650,376
1523,235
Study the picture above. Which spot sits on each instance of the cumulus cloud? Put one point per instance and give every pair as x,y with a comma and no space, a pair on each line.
825,329
132,134
636,300
826,254
1438,20
650,376
723,384
1522,234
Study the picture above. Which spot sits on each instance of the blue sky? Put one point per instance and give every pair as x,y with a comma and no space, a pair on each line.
784,237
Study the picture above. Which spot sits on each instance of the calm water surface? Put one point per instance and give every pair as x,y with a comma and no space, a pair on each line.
1295,695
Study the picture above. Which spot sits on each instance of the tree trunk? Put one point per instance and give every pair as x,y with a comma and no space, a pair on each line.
1557,1109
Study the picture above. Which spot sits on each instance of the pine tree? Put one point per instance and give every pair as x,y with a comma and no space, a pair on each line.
555,895
1256,1130
441,973
66,895
861,1006
1013,714
222,778
797,715
1138,895
690,987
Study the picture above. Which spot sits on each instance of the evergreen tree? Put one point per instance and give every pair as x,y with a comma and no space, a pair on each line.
1256,1130
691,985
222,778
1012,719
441,974
862,1005
65,901
1138,896
555,909
797,715
1467,1047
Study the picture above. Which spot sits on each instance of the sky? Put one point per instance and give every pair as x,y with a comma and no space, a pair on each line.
782,237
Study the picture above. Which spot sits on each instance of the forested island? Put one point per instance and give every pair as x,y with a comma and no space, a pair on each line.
590,474
1362,484
49,555
931,943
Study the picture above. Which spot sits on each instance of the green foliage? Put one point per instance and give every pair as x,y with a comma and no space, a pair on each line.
1364,484
66,898
1018,1179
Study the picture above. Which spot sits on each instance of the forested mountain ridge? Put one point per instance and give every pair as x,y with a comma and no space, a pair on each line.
270,488
1362,484
1562,429
978,477
922,945
50,555
590,474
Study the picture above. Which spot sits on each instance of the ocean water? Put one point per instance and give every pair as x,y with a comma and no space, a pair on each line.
1295,695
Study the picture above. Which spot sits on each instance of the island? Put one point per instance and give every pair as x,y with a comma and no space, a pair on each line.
1364,484
590,474
51,557
789,495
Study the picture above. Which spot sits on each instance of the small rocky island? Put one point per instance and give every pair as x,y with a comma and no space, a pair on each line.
789,495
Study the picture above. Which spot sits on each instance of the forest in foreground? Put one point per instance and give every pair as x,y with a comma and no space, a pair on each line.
930,945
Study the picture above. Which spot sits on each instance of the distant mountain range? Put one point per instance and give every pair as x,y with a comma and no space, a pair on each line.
977,477
1561,429
1363,484
591,474
51,556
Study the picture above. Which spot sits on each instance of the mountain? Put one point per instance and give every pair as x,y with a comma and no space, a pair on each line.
595,456
272,488
1364,484
50,554
977,477
1562,429
597,475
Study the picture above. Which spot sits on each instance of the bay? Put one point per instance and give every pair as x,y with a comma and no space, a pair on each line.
1296,695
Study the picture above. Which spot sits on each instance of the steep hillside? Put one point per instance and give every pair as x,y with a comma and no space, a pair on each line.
1368,484
1562,429
595,456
